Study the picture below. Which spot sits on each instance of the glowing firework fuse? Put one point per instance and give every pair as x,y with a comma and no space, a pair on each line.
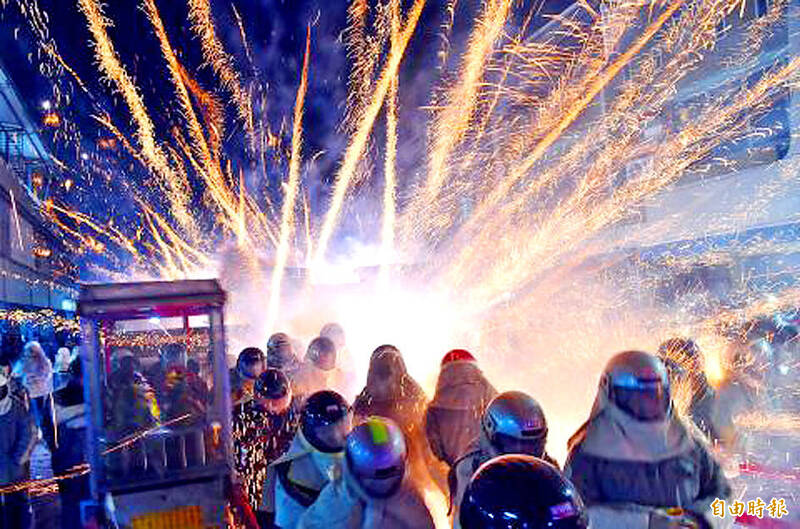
159,449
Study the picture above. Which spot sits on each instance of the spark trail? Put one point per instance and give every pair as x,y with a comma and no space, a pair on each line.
221,62
175,184
359,139
390,184
292,187
451,123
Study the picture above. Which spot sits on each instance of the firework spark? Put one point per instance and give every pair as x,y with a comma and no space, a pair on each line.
292,187
359,139
390,185
453,120
221,62
176,185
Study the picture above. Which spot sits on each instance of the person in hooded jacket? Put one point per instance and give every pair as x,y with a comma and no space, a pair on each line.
64,430
453,418
741,392
249,365
392,393
61,368
513,423
16,442
684,364
374,490
635,456
294,481
263,429
34,371
319,370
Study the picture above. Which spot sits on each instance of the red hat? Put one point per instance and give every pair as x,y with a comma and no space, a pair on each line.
458,355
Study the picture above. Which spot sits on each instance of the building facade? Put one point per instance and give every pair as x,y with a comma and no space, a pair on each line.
37,287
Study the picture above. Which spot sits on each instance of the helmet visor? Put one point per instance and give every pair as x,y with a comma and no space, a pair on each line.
330,437
532,444
644,401
382,482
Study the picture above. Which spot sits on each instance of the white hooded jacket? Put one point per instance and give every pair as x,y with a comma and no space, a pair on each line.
343,504
295,480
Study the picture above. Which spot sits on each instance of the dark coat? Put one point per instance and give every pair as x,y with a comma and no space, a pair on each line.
16,442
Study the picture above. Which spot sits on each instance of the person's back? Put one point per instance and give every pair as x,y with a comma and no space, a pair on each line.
262,430
453,417
390,391
64,430
684,362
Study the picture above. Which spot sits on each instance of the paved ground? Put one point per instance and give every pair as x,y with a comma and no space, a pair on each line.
45,504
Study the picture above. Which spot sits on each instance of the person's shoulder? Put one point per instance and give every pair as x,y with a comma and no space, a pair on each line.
415,510
18,404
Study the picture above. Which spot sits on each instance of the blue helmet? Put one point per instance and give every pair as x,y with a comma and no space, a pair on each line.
521,492
376,456
515,424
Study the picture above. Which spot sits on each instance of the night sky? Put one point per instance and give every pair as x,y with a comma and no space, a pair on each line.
276,32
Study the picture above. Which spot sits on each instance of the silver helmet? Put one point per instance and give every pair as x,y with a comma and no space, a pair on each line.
638,384
514,423
376,456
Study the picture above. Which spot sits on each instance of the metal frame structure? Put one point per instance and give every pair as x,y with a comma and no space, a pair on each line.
134,501
21,135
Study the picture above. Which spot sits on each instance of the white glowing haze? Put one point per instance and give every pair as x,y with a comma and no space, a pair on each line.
556,355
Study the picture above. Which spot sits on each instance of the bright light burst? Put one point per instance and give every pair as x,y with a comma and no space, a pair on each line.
523,235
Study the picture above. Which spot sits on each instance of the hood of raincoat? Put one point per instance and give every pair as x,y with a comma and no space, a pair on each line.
462,386
611,433
344,505
388,381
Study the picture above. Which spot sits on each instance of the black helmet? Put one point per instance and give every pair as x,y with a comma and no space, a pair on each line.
272,391
638,384
521,492
515,424
250,363
272,384
322,353
326,421
280,353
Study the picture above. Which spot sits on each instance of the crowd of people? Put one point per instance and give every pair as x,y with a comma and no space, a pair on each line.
307,458
41,399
